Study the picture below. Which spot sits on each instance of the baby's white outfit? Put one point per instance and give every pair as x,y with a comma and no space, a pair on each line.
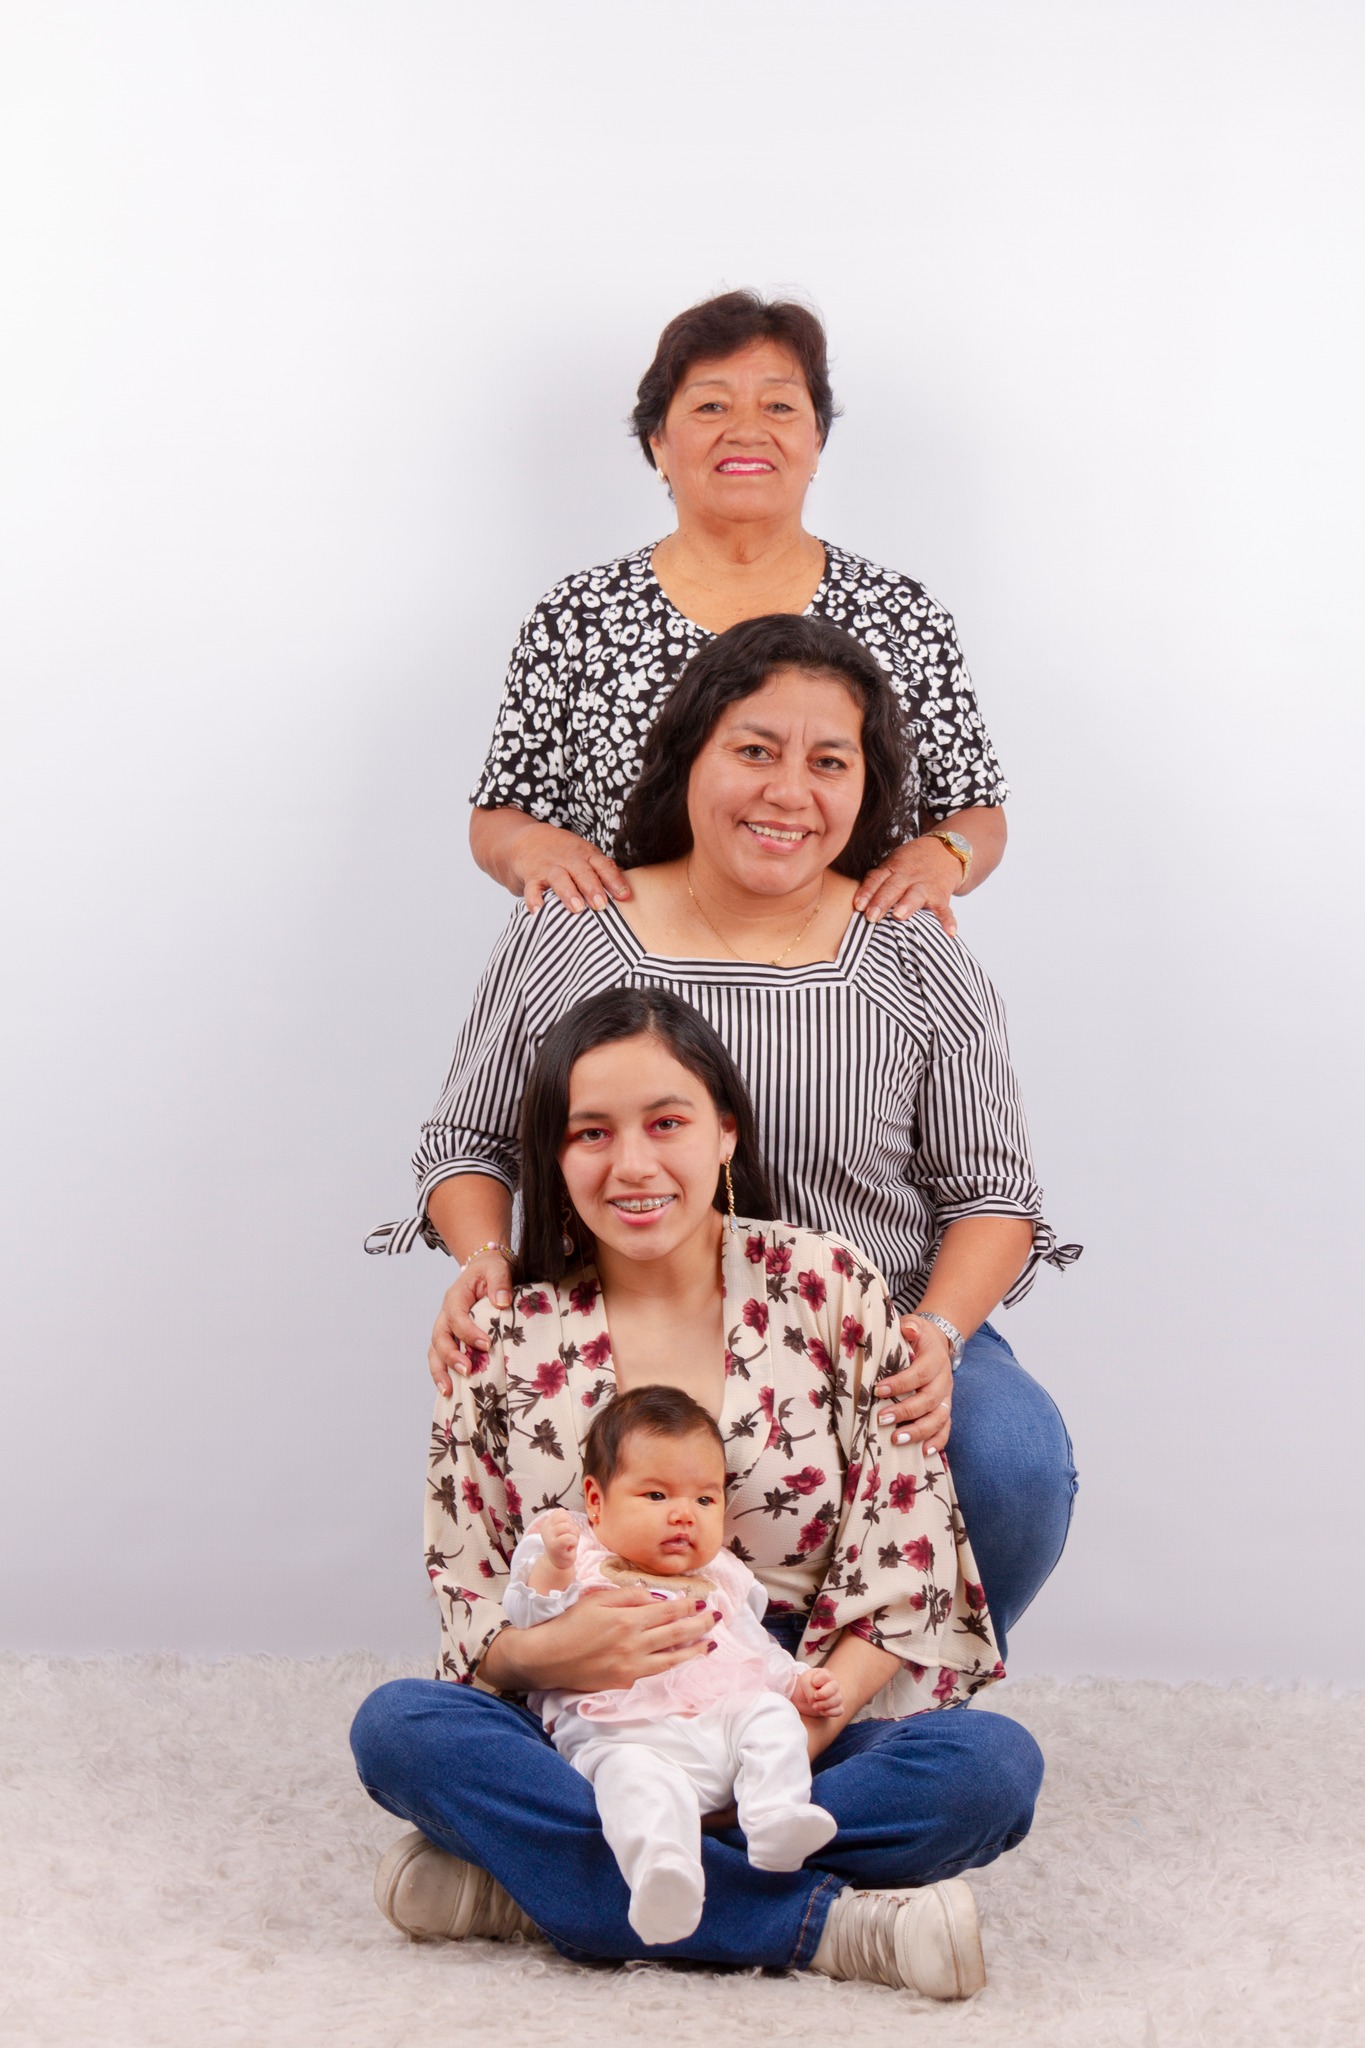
684,1742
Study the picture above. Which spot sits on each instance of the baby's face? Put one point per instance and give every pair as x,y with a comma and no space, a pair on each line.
665,1507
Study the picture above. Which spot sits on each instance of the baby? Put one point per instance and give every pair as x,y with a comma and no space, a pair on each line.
684,1741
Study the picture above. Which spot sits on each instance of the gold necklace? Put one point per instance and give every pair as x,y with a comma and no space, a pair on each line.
726,943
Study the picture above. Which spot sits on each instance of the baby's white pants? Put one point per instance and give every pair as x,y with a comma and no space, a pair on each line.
655,1779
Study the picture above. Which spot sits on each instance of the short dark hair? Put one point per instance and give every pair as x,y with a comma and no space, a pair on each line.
654,823
644,1411
719,327
604,1019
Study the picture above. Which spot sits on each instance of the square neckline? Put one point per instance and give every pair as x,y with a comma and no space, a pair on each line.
693,967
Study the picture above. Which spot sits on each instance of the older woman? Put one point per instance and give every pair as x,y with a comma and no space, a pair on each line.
774,778
637,1135
733,414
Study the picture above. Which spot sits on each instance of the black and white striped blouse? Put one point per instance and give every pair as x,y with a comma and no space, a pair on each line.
886,1103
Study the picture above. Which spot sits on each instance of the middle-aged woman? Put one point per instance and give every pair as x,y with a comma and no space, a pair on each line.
733,414
773,779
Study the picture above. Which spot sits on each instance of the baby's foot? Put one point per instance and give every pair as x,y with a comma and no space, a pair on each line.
782,1840
667,1901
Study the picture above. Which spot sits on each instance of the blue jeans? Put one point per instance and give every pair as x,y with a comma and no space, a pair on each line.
1013,1470
916,1800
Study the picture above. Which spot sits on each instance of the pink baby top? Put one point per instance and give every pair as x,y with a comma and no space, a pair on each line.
745,1660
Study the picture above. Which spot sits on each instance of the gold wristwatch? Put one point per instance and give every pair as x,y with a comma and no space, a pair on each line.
956,844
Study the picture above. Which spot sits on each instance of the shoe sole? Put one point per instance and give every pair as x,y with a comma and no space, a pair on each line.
389,1874
964,1935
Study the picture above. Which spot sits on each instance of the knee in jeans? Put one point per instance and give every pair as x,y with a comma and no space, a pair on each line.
1009,1773
379,1720
1019,1764
1043,1472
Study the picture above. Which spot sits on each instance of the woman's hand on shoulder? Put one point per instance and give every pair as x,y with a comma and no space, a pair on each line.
548,858
917,1402
456,1337
921,875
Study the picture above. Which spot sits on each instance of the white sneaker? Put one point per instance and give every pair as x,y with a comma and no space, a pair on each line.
926,1941
435,1897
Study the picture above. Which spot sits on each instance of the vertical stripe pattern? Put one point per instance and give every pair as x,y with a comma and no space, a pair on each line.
881,1081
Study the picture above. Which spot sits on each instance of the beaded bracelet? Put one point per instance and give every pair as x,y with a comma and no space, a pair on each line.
480,1249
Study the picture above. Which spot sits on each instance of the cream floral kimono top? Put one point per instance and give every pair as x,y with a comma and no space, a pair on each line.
838,1523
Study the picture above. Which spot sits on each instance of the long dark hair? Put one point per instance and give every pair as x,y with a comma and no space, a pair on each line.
655,825
601,1020
721,327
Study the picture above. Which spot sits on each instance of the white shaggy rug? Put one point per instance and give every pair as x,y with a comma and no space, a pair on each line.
186,1857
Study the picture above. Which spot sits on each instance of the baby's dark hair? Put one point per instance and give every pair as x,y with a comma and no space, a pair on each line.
648,1411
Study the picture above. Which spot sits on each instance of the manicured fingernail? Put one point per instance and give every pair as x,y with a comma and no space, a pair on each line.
903,1436
719,1616
709,1648
700,1605
887,1417
599,902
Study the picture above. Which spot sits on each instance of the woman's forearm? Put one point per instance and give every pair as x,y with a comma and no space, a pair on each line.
538,1659
510,1663
978,1261
469,1210
493,837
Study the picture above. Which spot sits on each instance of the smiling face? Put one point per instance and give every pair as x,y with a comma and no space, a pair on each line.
642,1149
775,791
741,439
664,1506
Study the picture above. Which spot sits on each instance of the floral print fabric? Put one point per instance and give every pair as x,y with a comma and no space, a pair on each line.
836,1521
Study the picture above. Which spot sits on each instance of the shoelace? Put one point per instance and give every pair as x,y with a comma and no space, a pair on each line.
862,1930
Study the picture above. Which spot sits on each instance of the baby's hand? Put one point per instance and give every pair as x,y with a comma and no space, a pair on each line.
818,1693
559,1533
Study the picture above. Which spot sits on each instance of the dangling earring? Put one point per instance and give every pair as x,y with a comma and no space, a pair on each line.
729,1194
566,1219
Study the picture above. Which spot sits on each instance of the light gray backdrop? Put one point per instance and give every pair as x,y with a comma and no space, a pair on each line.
323,323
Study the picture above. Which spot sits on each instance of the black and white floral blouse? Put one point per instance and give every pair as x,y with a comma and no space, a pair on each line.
838,1523
601,651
